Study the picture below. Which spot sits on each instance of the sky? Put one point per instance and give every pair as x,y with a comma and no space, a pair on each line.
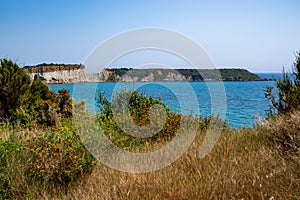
261,36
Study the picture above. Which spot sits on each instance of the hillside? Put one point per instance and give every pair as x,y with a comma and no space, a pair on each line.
185,74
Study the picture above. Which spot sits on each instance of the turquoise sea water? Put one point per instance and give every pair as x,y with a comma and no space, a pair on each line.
243,101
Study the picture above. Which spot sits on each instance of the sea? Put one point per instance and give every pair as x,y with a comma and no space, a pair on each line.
241,104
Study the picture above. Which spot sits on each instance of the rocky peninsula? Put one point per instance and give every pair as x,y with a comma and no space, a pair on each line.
76,73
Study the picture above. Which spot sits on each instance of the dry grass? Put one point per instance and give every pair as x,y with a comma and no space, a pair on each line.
286,135
239,167
244,164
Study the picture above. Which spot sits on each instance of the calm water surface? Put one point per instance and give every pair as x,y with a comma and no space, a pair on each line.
244,100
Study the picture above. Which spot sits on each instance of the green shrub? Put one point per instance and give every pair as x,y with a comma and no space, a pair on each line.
42,159
288,92
165,128
35,155
14,88
64,103
57,158
139,105
25,101
139,109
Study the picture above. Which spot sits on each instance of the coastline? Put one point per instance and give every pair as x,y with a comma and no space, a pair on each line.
76,73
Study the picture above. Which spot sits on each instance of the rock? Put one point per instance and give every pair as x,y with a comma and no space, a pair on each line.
53,73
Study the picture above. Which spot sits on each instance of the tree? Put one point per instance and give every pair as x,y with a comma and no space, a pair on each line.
14,87
23,100
288,98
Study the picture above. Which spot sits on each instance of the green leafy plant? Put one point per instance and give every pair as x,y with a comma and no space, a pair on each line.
64,103
139,107
57,158
14,88
288,98
42,158
25,101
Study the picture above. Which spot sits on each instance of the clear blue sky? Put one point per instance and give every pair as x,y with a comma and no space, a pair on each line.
261,36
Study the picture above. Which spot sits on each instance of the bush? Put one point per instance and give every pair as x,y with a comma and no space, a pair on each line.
32,154
25,101
142,119
42,159
64,103
14,88
57,158
139,111
288,92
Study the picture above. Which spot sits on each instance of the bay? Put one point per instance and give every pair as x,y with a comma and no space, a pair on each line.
244,101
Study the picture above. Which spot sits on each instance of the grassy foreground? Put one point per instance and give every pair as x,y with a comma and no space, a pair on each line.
258,163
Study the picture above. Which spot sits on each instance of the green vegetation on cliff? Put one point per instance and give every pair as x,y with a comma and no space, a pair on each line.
44,67
189,74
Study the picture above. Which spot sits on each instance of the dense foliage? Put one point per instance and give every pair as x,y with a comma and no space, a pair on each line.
189,74
57,157
139,106
220,74
44,157
288,88
27,102
33,150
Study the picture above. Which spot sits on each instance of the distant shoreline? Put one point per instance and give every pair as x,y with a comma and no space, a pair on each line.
76,73
156,82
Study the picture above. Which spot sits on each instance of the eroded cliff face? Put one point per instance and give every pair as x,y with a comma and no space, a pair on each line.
74,73
147,75
70,73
